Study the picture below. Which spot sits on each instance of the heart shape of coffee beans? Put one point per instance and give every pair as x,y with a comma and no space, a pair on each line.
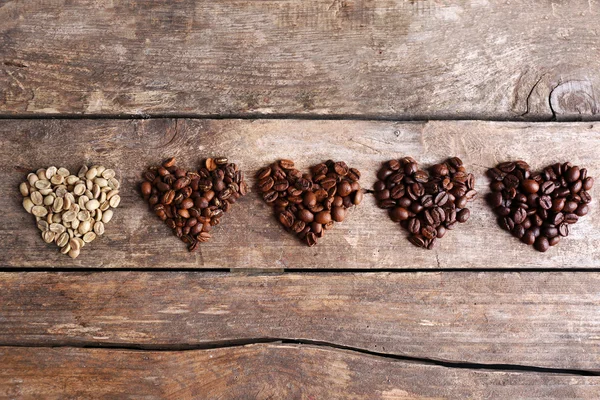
192,202
426,204
71,210
309,204
539,207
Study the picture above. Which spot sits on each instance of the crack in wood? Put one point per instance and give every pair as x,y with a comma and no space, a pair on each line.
320,344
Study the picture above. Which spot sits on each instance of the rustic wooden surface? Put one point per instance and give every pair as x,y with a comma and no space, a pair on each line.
249,236
268,371
402,59
544,320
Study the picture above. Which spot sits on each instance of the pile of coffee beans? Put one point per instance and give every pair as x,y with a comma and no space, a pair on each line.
309,204
192,202
426,204
71,210
539,207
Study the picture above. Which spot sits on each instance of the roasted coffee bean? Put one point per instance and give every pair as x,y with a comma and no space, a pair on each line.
286,218
422,202
193,201
306,204
530,186
540,205
417,241
495,199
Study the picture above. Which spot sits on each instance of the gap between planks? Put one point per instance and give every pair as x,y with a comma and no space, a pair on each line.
320,344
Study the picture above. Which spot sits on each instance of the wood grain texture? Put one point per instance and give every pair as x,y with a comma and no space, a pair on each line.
544,320
249,236
402,59
262,372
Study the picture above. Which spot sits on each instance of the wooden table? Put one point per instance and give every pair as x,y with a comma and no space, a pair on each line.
255,314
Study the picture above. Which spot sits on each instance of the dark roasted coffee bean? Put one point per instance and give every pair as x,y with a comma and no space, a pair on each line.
588,183
557,219
582,210
572,174
422,202
518,231
398,214
441,199
414,226
417,241
570,206
427,201
506,166
463,215
547,187
528,237
530,186
386,204
421,176
586,198
519,215
439,170
507,223
571,218
541,244
495,199
496,174
545,202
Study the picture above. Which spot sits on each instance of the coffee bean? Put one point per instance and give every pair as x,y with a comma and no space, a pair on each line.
582,210
425,204
541,244
192,202
286,218
572,174
315,200
530,186
541,205
286,164
417,241
495,199
463,215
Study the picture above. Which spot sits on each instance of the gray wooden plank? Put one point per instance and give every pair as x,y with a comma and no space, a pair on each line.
262,372
533,319
409,59
249,236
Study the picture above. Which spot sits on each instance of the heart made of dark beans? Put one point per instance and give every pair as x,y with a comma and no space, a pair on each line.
426,204
538,208
192,202
309,204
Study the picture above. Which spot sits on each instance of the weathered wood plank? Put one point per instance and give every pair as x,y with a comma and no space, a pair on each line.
262,372
249,237
547,320
402,59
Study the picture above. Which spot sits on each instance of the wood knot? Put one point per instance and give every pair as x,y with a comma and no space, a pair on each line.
574,100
